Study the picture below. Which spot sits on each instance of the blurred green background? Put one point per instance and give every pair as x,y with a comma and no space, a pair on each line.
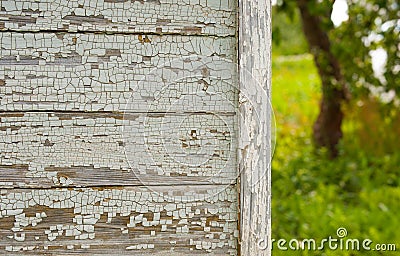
313,195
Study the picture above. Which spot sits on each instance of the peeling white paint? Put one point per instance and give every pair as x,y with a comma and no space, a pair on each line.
89,206
255,135
214,17
72,181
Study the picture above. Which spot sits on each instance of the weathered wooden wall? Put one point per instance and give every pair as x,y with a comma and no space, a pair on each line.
118,129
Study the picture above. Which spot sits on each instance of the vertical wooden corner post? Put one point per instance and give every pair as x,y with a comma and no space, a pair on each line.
255,126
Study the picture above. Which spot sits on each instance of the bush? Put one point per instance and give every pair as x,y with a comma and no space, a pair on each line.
313,196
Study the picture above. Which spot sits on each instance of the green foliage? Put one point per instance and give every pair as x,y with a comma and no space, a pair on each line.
371,25
313,196
287,34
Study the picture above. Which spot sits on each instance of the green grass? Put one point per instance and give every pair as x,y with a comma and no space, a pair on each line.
314,196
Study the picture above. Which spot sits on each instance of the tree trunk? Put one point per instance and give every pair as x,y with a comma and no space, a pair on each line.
327,128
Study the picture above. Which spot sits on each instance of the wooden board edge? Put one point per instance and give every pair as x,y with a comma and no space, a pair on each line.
255,147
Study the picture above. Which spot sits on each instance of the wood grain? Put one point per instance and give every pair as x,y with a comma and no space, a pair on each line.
255,136
189,17
86,149
99,72
118,127
119,221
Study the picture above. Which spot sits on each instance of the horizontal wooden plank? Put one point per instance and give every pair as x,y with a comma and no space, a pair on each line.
160,220
199,17
98,72
42,149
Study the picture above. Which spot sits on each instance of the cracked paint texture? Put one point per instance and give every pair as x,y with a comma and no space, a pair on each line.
118,127
97,72
120,220
192,17
89,149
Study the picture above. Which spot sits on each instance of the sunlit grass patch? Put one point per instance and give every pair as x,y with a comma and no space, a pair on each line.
312,195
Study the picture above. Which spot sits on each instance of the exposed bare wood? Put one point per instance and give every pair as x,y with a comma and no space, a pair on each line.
119,221
211,17
255,126
98,72
118,127
81,149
